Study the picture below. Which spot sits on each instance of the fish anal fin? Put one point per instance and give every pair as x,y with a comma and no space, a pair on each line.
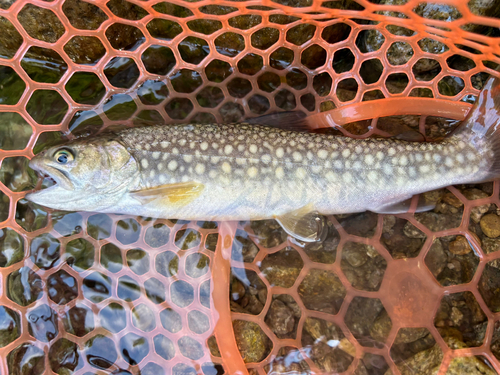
304,224
179,194
402,207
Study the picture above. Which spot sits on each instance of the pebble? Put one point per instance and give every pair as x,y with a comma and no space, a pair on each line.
490,225
460,246
280,318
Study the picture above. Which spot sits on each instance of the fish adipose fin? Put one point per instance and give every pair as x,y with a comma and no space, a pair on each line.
304,224
403,207
481,128
172,194
291,120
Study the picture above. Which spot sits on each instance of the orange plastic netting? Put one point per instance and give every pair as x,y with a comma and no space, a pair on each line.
85,293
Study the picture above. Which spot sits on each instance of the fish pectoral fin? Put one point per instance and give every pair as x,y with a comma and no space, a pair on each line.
304,224
172,194
402,207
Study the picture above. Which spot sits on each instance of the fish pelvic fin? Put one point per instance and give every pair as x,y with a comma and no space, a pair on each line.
179,194
481,127
304,224
290,120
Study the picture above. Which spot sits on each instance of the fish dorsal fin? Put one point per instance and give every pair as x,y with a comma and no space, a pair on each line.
402,207
178,194
304,224
291,120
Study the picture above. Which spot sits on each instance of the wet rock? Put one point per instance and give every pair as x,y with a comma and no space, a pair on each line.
490,225
460,316
280,319
322,291
288,361
381,327
269,233
363,266
401,238
252,342
433,196
437,222
10,327
436,258
460,246
490,245
426,362
362,224
452,200
317,335
282,268
408,335
477,212
470,366
324,251
411,231
244,249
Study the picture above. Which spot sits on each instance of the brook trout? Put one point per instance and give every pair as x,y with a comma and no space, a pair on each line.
243,171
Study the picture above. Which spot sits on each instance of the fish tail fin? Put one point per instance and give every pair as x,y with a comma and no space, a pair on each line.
481,127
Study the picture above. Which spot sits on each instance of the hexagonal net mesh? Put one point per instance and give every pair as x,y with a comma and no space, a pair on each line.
94,293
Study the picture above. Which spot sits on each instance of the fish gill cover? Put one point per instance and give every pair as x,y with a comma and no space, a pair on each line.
85,293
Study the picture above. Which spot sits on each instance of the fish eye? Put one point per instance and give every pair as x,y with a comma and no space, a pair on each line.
63,156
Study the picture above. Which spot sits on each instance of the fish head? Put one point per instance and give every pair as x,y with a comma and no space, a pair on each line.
89,174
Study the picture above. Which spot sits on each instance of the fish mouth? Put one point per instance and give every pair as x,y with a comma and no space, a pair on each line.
50,176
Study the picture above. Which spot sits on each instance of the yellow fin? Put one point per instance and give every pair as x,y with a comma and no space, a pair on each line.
172,194
304,224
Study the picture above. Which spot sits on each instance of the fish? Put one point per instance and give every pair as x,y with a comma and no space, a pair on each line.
243,171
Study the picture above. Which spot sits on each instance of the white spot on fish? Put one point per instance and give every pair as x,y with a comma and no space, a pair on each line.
471,156
156,155
419,157
144,163
266,158
226,167
160,166
387,169
184,179
373,176
252,172
322,154
212,173
228,149
280,152
424,168
164,144
300,173
337,164
241,148
182,142
215,146
347,177
253,149
436,158
316,168
188,158
279,172
175,151
369,159
297,156
346,153
448,162
152,173
358,149
162,179
200,168
403,160
215,159
172,166
460,158
204,146
330,176
380,155
391,151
